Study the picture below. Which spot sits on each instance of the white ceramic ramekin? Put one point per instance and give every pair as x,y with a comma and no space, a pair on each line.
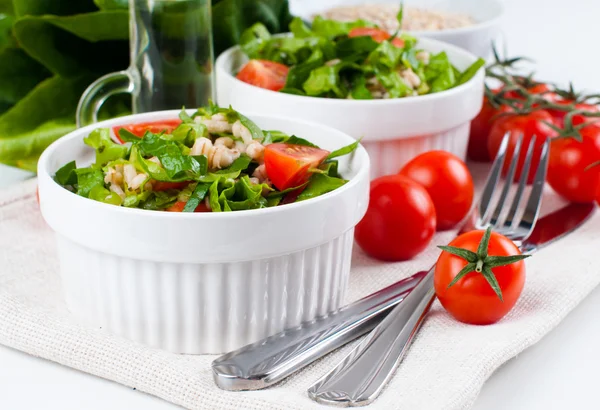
394,130
477,38
203,282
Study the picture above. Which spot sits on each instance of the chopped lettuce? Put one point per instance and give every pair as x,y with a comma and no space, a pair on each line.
158,171
325,61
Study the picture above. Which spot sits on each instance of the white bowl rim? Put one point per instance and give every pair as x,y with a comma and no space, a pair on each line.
43,171
448,48
466,29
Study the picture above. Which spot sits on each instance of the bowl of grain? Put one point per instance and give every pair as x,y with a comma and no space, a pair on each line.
471,25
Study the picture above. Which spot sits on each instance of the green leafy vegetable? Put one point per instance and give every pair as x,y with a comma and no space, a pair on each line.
197,196
106,149
66,174
299,141
87,179
323,81
471,71
50,51
332,28
348,149
320,184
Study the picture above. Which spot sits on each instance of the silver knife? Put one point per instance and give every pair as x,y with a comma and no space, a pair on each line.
333,387
270,360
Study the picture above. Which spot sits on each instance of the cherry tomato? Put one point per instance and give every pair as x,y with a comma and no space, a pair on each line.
448,183
376,34
400,220
516,125
165,186
569,171
472,299
480,130
540,89
559,116
155,127
264,74
179,205
288,165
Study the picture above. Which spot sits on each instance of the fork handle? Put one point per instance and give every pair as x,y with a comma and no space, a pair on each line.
361,376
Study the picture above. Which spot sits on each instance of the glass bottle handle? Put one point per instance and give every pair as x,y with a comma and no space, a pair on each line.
98,92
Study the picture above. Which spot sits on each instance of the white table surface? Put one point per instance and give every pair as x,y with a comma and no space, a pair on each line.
557,373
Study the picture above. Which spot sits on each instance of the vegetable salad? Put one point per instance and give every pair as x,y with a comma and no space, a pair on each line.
350,60
214,160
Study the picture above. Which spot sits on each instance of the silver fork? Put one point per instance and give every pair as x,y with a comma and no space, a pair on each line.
361,376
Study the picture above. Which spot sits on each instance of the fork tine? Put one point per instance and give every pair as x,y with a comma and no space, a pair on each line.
510,217
532,209
492,180
495,220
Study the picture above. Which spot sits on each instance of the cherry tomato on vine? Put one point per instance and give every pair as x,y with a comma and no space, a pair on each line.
570,170
528,125
480,131
447,181
559,116
540,89
490,287
400,220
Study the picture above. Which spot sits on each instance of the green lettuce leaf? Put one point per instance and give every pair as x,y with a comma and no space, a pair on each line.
323,81
348,149
320,184
66,175
197,196
176,165
87,179
333,28
470,71
106,149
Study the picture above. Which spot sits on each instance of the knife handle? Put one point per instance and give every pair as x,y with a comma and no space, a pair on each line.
270,360
359,378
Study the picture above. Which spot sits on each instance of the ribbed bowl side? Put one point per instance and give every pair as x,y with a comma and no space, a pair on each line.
388,157
203,308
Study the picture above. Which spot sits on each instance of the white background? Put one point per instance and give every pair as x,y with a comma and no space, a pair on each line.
559,372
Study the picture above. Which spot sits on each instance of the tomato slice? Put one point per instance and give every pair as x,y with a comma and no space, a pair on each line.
376,34
155,127
179,205
288,165
264,74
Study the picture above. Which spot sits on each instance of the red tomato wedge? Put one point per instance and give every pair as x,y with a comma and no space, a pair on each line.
179,205
288,165
376,34
264,74
155,127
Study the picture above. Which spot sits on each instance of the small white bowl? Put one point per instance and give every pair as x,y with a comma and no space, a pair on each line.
477,38
203,282
394,130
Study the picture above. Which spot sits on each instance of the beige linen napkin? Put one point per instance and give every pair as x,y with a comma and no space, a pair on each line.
445,368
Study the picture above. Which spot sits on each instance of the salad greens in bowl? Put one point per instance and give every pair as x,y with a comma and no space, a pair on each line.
402,95
349,60
213,160
281,256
